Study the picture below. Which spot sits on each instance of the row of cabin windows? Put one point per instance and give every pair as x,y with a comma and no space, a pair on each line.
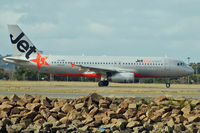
110,63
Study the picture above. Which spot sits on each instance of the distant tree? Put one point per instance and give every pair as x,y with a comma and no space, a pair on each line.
19,73
160,80
149,80
4,75
29,74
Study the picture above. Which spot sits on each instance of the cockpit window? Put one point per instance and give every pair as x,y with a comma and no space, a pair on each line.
181,64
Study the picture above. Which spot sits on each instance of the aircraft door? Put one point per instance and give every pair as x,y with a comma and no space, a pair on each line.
166,65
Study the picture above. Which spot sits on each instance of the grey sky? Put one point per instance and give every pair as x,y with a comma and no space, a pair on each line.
106,27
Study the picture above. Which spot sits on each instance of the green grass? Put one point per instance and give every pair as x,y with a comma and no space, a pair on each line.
94,84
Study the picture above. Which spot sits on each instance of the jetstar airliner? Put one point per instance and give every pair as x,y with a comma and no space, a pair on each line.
106,68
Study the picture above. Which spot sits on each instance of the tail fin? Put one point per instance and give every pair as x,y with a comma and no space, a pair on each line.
22,46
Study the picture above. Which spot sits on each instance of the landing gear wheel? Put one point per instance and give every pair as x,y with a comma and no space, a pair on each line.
103,83
168,85
106,83
167,81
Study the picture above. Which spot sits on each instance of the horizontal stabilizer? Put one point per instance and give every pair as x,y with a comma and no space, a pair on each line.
14,60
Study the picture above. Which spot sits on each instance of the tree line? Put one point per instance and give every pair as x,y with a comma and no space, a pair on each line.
23,74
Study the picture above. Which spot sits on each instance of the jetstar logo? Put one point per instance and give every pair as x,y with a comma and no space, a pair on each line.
40,61
144,61
147,61
22,45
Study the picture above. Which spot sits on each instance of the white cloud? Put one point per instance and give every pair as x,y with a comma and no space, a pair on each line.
175,29
40,27
99,28
10,17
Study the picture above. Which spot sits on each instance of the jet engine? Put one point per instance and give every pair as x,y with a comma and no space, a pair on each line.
122,77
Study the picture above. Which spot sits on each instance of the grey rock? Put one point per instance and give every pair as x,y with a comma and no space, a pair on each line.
133,124
46,102
6,121
171,123
14,98
187,109
10,130
194,118
28,98
148,126
116,131
67,108
59,127
79,106
25,122
179,127
168,129
6,107
15,120
52,119
132,106
84,128
191,127
195,102
33,106
138,129
94,111
77,123
95,97
47,124
1,125
121,124
104,103
71,128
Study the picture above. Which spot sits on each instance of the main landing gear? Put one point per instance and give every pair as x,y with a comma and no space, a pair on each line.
103,83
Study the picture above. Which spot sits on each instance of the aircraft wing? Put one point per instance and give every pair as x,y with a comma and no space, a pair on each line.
102,69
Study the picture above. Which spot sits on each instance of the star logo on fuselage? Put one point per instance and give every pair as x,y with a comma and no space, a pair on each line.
40,60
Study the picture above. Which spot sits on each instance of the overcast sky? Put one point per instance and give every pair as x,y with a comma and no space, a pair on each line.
106,27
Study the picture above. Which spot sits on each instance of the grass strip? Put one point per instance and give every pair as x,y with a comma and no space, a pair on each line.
128,91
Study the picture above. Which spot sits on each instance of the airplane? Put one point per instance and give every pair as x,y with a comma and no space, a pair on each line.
120,69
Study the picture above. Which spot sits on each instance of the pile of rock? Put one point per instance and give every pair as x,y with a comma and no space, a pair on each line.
94,113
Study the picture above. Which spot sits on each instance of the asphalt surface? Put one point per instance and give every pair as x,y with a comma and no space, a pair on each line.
61,91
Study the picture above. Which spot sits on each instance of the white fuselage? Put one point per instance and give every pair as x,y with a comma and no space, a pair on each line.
142,67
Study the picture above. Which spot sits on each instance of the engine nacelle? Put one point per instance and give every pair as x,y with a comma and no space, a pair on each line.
122,78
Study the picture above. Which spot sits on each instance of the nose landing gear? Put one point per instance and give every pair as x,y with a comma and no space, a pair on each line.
167,83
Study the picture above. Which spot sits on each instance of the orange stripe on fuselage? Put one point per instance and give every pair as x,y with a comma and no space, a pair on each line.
99,75
143,76
79,75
